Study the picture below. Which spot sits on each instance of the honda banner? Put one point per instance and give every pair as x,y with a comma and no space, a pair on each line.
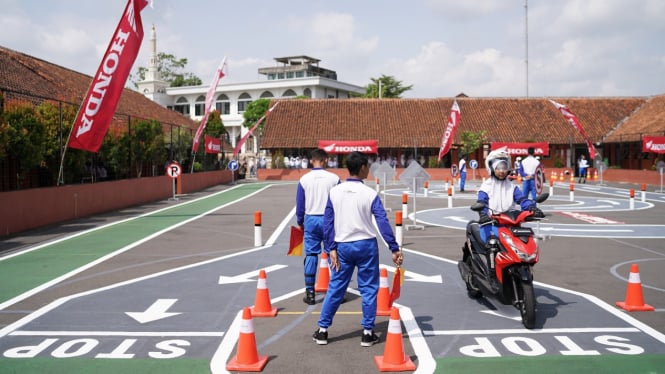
655,144
94,117
449,130
348,146
520,149
213,145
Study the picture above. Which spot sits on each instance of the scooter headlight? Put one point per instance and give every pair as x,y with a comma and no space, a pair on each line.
523,256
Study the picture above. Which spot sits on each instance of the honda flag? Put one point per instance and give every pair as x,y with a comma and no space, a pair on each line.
213,145
449,131
210,96
95,114
655,144
251,131
572,119
348,146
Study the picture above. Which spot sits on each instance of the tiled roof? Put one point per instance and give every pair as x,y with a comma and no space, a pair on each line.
403,123
30,75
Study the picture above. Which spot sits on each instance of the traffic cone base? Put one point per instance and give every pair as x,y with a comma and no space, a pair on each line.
247,358
383,297
262,305
393,358
323,278
634,300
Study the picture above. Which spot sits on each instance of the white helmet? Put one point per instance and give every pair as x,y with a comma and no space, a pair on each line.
519,158
495,158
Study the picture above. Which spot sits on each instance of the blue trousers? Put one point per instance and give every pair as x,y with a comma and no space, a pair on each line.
462,180
361,254
529,187
312,240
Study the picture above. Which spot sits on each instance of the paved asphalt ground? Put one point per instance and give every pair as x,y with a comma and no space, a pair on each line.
597,266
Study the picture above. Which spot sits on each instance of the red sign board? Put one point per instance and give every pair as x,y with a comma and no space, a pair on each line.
520,149
348,146
655,144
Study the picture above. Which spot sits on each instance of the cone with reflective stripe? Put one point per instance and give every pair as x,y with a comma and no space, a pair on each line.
247,358
393,358
324,274
262,306
634,299
383,298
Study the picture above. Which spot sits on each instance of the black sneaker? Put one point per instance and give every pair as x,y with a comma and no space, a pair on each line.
369,340
309,298
321,338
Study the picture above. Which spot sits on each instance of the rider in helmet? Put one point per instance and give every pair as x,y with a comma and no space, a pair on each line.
499,193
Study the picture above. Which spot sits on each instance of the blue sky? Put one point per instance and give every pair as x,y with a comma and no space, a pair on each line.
441,47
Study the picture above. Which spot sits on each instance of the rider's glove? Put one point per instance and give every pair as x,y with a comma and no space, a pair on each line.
537,213
484,218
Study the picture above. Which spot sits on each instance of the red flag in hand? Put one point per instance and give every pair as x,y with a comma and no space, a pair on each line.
295,243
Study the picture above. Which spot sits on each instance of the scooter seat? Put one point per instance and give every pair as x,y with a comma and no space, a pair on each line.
474,228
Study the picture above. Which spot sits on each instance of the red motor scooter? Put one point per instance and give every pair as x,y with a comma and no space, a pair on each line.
502,268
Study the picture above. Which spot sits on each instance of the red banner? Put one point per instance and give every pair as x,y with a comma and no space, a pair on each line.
449,132
213,145
572,119
94,117
520,149
655,144
348,146
210,97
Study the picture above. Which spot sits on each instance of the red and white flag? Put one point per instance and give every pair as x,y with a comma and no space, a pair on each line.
210,97
572,119
249,133
94,117
449,132
213,145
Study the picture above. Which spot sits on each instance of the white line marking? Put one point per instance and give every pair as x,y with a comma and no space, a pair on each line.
119,333
533,331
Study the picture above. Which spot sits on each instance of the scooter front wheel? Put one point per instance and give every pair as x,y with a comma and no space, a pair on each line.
528,304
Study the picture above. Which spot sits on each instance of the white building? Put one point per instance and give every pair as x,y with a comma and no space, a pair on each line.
290,77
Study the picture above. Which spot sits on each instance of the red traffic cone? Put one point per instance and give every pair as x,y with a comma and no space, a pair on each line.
634,299
324,274
262,306
393,358
247,358
383,298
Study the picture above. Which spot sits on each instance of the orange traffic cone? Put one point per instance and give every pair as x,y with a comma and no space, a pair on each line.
247,358
383,298
324,274
634,299
262,306
393,358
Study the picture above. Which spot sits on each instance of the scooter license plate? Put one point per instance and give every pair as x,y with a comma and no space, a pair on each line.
521,231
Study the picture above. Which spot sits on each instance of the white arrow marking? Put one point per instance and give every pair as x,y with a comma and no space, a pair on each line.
609,202
246,277
415,277
155,311
518,318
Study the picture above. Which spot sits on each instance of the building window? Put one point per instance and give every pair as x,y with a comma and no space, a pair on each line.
307,92
200,106
223,104
289,75
267,94
280,75
300,74
271,77
289,93
243,101
182,106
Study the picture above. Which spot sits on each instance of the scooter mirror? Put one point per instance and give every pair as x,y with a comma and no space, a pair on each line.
477,207
542,197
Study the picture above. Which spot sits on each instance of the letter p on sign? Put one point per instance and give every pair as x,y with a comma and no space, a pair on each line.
173,170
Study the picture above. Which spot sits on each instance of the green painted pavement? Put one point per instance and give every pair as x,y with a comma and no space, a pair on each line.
103,366
26,271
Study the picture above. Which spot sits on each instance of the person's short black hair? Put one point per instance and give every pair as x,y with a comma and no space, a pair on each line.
319,154
530,150
354,161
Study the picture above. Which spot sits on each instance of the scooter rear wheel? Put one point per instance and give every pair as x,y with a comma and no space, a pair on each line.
528,305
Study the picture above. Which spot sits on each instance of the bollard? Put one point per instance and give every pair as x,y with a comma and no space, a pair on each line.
377,185
632,198
450,197
257,229
405,199
425,188
551,187
572,192
644,192
398,228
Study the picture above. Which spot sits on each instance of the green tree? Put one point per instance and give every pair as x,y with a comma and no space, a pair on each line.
25,135
171,69
148,148
390,88
471,141
255,110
